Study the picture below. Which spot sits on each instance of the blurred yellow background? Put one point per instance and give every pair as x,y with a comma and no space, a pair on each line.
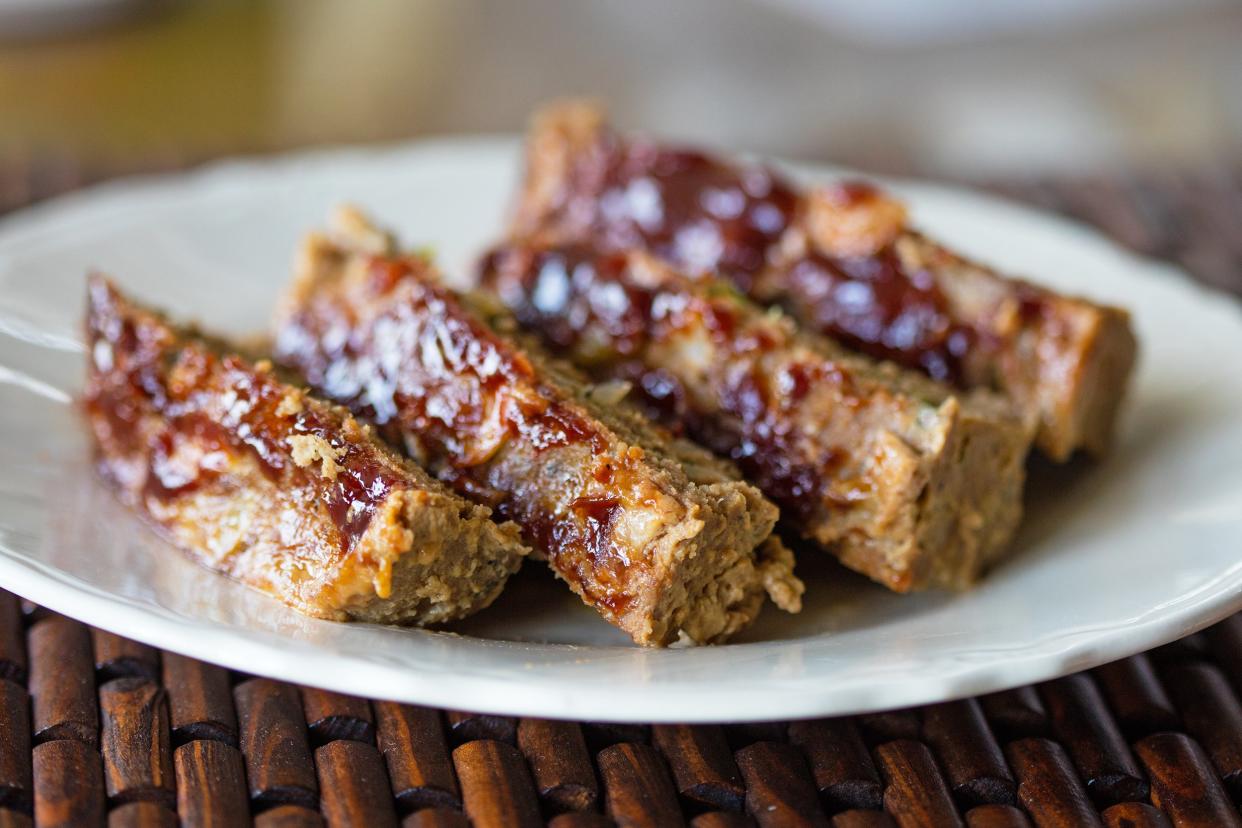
191,80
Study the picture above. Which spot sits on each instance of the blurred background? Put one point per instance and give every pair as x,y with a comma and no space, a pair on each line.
956,88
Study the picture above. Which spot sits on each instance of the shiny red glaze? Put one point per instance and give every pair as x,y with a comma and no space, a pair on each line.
588,304
150,394
876,305
602,573
405,353
706,215
424,363
700,213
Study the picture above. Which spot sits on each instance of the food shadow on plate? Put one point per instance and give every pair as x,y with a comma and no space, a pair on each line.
537,607
1086,495
837,600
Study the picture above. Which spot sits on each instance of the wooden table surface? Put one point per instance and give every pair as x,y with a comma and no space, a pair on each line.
96,729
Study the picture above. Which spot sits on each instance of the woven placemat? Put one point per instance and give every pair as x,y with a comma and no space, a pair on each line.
95,728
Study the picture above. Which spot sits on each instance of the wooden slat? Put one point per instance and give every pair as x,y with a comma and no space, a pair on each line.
580,819
136,743
741,734
862,818
12,639
1048,787
1082,722
1135,815
412,741
117,657
1136,696
1213,716
718,819
702,764
972,760
638,789
436,818
466,727
15,819
779,788
1015,714
1190,648
142,815
889,725
68,784
279,768
211,784
996,816
600,735
914,791
1225,642
840,763
1183,783
289,816
353,787
200,700
496,788
556,754
332,716
16,785
62,681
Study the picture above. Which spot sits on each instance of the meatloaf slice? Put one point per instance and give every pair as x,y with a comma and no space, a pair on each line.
604,496
905,481
268,485
842,260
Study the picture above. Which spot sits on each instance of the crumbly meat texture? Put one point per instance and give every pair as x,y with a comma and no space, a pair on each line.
843,261
603,496
906,482
272,487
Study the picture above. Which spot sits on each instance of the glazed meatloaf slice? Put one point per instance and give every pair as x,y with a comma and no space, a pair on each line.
903,480
279,490
843,261
603,496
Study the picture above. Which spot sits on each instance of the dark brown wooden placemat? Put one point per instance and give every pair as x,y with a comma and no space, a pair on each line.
95,728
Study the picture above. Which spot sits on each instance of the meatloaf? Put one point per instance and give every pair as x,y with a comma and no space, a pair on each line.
842,260
906,482
609,500
266,484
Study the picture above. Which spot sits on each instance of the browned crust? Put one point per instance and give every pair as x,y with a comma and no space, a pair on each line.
912,486
672,556
1064,359
560,145
1067,366
244,471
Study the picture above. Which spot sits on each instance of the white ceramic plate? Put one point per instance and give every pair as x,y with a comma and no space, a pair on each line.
1112,559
